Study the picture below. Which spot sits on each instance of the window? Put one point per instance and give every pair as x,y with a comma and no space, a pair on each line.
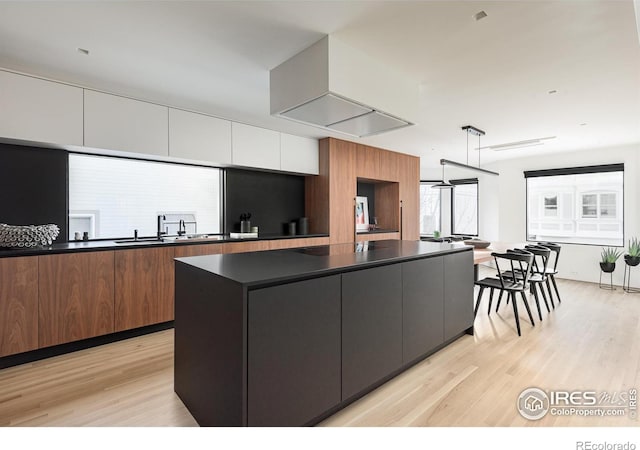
464,207
429,208
110,197
551,206
582,205
589,205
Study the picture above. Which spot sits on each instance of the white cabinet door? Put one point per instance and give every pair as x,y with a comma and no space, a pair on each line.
119,123
298,154
255,147
40,110
199,137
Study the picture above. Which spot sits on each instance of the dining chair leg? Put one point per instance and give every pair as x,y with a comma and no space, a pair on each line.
475,312
555,286
535,296
515,311
544,297
526,305
490,301
499,299
550,294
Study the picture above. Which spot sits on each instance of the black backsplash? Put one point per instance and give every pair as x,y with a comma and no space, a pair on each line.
368,190
33,187
272,199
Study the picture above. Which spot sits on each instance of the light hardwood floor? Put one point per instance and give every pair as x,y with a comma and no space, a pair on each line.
589,342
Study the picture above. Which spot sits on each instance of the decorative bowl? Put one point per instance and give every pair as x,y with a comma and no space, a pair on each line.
26,236
477,243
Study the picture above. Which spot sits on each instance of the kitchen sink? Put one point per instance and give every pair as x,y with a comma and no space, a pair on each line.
193,238
149,240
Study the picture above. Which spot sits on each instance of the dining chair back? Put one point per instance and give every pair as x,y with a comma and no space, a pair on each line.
508,264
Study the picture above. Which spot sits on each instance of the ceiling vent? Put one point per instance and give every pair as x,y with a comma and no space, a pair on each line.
335,87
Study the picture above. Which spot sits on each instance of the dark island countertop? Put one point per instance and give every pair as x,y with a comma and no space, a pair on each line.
257,269
100,245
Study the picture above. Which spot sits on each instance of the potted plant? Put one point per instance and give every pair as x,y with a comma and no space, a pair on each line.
632,258
609,256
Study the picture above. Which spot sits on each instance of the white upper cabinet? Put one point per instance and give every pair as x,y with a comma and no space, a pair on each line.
199,137
298,154
119,123
255,147
40,110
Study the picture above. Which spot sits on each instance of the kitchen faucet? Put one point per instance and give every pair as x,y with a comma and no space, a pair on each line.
161,217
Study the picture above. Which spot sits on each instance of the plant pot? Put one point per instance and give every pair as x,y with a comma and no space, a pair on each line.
607,267
632,260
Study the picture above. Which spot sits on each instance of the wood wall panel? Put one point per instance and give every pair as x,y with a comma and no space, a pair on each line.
18,305
367,162
388,205
389,166
342,191
144,287
76,296
316,192
330,196
410,196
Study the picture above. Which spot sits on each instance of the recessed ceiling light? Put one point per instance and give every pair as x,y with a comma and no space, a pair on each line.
583,124
553,91
84,51
480,15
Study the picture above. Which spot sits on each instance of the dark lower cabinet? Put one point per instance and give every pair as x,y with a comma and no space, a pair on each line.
371,326
293,352
422,307
458,293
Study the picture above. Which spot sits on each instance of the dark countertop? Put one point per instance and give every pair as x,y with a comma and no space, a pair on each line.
100,245
257,269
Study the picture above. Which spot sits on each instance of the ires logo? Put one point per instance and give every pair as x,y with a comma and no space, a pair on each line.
574,398
534,403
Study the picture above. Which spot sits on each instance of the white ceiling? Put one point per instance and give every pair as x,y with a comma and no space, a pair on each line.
495,73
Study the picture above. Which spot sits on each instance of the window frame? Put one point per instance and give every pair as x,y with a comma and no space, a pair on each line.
464,181
579,170
432,183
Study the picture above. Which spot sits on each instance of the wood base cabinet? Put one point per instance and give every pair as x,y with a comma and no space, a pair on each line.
18,305
144,287
76,297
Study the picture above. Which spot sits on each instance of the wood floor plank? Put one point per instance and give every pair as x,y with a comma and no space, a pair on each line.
590,341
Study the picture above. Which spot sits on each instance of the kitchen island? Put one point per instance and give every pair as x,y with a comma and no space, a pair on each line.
288,337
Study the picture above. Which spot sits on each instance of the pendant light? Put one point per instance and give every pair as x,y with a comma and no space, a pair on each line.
443,184
475,131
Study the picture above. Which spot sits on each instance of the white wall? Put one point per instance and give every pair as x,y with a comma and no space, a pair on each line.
506,200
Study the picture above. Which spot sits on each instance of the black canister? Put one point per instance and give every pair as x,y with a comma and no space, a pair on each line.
292,228
245,226
303,225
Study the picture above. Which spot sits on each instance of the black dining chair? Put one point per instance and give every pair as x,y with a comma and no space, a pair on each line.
538,277
552,269
521,262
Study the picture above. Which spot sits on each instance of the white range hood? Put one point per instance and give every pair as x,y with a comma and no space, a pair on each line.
333,86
